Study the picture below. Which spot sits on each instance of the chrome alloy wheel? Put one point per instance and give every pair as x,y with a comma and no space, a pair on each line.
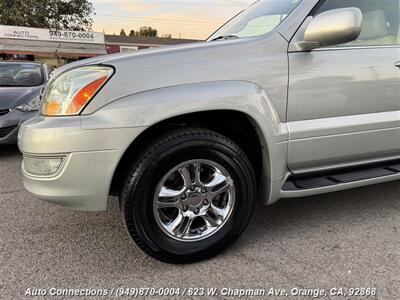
194,200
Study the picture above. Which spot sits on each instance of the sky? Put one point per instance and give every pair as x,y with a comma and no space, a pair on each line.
190,19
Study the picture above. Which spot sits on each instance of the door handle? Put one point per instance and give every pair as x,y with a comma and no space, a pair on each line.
397,64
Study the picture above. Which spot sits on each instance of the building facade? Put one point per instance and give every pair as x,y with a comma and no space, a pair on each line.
119,43
54,47
58,47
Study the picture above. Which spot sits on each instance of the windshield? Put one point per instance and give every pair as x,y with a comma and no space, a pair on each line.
20,75
260,18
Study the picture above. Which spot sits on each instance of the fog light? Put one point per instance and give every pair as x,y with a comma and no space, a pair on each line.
42,166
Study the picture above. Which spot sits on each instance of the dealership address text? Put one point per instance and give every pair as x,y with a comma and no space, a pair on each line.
135,292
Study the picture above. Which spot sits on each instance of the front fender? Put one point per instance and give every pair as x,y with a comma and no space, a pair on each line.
148,108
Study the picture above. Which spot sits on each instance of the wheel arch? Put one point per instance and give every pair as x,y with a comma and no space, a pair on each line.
235,125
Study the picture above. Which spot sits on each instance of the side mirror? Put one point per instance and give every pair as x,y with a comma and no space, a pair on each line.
333,27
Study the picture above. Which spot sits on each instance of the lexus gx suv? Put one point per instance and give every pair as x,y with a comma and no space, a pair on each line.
290,98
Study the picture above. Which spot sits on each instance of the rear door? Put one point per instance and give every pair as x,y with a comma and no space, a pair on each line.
344,101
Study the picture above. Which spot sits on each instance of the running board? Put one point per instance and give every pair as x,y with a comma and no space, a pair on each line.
347,176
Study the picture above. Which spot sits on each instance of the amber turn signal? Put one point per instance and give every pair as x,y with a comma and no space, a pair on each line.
85,95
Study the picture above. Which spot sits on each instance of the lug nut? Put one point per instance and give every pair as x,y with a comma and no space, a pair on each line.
185,208
183,196
205,202
196,211
203,191
192,188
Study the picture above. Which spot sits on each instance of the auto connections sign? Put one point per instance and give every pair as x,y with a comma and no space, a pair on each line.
39,34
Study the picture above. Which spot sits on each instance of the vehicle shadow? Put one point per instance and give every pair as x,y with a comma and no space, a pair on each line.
332,209
8,150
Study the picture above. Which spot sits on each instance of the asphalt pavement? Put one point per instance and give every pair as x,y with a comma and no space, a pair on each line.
343,240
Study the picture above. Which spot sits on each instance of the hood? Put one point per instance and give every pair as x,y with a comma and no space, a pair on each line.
14,96
247,59
110,58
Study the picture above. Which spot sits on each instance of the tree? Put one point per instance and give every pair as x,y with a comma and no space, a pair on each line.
143,31
147,31
54,14
122,32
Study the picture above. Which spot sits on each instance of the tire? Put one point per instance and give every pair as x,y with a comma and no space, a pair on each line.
200,158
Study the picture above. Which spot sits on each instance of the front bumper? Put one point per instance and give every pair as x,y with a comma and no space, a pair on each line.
9,125
91,158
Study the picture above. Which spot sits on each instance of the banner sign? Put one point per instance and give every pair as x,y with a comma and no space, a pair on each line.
38,34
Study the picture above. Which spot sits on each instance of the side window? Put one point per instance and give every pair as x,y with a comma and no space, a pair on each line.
380,24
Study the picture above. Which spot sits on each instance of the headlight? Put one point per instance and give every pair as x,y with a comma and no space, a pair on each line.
32,105
68,94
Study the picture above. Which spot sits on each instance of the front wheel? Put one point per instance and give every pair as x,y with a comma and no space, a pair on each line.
188,196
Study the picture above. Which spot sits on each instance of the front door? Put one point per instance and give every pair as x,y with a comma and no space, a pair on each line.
344,101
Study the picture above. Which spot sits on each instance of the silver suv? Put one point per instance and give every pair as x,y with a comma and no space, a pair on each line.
290,98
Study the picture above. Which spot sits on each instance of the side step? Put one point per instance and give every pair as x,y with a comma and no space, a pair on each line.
331,178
